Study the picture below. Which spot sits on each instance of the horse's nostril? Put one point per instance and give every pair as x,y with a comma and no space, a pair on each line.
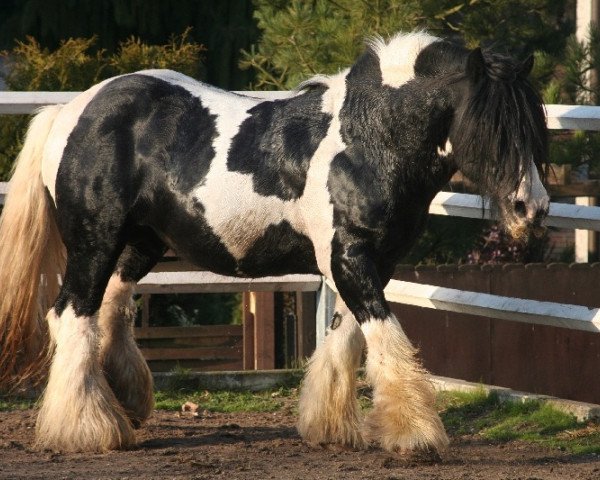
520,208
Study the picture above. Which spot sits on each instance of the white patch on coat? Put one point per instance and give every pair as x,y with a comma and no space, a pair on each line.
446,150
531,191
233,210
398,55
315,204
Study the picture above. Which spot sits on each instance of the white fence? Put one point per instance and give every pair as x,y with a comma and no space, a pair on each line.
183,279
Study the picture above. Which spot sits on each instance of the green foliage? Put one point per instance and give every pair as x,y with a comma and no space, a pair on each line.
577,148
580,58
512,25
485,415
12,131
496,246
223,26
8,404
573,84
179,54
70,67
75,66
445,240
195,309
300,39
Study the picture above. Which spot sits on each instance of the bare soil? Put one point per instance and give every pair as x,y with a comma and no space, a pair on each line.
266,446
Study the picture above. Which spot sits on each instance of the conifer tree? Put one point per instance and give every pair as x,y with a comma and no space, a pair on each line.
300,38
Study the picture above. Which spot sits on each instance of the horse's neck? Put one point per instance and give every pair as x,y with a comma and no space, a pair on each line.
409,155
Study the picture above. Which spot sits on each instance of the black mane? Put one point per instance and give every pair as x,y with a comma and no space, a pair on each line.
501,123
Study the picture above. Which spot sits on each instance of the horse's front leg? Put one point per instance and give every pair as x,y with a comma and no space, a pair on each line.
328,407
403,416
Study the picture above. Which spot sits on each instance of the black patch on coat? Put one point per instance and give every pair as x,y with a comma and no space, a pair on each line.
440,58
381,185
280,250
137,150
336,321
275,144
143,251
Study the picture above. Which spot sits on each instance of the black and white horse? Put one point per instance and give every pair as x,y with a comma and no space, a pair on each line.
336,179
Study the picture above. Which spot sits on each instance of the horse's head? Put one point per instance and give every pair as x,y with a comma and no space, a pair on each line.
499,138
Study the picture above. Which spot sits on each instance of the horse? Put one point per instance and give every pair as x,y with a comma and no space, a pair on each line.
335,179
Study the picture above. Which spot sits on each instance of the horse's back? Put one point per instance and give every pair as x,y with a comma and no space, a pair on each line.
214,173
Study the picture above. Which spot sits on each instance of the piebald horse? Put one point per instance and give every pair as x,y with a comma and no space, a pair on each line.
336,179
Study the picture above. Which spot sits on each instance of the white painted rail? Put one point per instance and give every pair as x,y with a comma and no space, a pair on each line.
572,117
208,282
561,215
428,296
492,306
12,103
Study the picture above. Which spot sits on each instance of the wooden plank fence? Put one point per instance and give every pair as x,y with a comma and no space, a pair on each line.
205,347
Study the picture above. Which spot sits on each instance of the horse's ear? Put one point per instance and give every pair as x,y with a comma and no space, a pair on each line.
526,67
475,65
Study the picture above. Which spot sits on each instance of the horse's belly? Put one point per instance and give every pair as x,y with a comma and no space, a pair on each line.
278,251
244,243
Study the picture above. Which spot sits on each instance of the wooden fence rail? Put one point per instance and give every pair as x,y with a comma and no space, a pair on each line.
212,347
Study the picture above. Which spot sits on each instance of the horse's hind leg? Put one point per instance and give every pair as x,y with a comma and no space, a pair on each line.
328,407
122,362
79,411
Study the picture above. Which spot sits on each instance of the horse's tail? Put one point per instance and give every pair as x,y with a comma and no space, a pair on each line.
32,255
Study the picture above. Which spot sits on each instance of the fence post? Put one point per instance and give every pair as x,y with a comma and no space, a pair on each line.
248,331
306,313
264,329
325,307
585,240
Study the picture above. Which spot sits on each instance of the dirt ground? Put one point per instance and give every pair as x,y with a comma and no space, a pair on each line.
266,446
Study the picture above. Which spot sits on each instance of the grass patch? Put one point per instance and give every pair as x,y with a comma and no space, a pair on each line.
224,401
463,413
478,413
9,404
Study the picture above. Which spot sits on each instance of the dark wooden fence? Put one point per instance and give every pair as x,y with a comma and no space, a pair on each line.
210,347
533,358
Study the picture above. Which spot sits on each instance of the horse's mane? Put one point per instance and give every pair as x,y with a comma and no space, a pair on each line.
501,126
501,122
396,58
397,55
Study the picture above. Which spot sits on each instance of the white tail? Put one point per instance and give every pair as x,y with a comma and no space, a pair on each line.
31,252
